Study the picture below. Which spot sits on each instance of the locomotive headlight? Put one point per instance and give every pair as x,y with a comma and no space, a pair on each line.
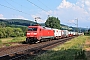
28,33
35,33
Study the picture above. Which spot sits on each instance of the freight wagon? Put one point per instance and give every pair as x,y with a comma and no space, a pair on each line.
58,33
66,32
39,33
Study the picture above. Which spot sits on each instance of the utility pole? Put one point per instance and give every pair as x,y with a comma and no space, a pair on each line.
77,25
87,28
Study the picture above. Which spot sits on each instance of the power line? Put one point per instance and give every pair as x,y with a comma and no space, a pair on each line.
9,3
44,4
36,5
20,4
31,3
14,9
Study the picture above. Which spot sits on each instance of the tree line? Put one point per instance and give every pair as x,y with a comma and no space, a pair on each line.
13,30
10,32
7,30
22,22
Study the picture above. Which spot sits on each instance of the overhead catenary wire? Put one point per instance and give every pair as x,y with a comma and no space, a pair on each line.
14,9
33,4
9,3
36,5
20,4
47,7
44,4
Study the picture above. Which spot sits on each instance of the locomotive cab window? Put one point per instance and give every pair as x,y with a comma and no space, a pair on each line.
32,29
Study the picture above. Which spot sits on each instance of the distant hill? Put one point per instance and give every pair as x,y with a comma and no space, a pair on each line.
21,22
17,22
73,28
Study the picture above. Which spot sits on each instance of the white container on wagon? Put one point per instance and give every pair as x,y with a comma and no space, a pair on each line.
74,33
71,33
60,33
56,33
66,32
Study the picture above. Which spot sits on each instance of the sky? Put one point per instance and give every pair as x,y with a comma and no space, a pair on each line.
68,11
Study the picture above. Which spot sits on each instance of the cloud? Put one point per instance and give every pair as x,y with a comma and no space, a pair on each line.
38,18
67,12
1,16
13,17
65,4
71,21
34,16
18,17
87,2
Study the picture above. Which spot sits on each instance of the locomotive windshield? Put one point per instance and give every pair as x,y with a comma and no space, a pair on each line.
32,29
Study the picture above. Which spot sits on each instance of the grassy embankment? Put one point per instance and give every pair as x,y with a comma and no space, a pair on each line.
71,50
6,41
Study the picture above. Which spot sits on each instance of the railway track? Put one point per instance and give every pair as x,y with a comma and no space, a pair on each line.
22,51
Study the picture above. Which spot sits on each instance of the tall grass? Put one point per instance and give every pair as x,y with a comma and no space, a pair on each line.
6,41
18,39
0,42
71,50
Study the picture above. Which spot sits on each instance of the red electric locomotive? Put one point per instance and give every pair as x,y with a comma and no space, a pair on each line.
38,33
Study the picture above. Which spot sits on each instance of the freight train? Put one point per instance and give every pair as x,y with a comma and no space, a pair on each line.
38,33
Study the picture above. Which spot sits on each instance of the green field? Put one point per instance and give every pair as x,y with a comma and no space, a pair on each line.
6,41
71,50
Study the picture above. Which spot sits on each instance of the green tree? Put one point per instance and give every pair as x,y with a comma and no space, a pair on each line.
53,22
1,34
9,31
2,24
18,32
3,30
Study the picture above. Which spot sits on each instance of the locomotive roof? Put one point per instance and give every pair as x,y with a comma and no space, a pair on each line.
41,27
33,26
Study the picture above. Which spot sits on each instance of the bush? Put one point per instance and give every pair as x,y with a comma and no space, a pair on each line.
10,32
0,41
